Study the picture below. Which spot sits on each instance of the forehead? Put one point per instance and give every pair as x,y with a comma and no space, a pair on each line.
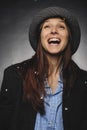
61,20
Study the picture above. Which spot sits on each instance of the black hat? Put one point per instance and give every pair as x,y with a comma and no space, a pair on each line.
52,12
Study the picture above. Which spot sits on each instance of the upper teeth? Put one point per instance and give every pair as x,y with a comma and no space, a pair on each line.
54,39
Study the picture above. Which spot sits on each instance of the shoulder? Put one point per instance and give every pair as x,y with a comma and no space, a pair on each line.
12,83
79,73
83,73
17,69
12,78
82,78
77,69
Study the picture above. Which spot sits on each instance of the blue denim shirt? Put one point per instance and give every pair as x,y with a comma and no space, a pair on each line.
52,120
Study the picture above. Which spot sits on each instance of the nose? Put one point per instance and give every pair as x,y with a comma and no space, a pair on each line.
54,30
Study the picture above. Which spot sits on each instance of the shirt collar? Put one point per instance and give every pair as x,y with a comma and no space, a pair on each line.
59,86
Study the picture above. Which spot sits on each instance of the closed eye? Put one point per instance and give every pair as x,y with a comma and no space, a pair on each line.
61,26
46,26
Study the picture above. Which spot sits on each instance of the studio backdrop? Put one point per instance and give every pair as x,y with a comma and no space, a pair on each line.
15,18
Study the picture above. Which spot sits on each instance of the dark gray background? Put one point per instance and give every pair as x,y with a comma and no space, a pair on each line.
15,18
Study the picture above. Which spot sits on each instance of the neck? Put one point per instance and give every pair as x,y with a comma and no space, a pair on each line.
54,71
54,63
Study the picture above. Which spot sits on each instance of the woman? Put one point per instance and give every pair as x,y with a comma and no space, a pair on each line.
48,91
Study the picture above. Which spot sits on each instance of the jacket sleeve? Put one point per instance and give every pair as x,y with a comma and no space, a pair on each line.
9,95
84,127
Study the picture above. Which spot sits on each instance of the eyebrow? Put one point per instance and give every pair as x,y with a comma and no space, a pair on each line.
48,20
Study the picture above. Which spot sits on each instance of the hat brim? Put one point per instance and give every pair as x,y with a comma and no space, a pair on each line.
52,12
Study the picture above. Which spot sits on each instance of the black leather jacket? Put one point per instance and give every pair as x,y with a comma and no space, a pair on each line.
15,114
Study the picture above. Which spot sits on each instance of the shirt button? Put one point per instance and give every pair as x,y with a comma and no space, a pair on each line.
50,123
18,67
85,82
6,90
66,108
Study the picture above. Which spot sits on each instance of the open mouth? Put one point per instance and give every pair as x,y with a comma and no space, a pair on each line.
54,41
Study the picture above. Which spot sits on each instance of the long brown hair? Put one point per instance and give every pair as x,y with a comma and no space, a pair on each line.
37,72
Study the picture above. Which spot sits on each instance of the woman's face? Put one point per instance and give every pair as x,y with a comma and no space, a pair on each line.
54,35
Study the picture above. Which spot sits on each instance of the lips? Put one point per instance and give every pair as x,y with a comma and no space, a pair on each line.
54,41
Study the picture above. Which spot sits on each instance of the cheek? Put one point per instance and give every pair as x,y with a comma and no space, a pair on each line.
44,33
42,39
65,39
43,36
66,36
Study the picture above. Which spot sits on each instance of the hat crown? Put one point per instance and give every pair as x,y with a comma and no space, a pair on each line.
52,12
